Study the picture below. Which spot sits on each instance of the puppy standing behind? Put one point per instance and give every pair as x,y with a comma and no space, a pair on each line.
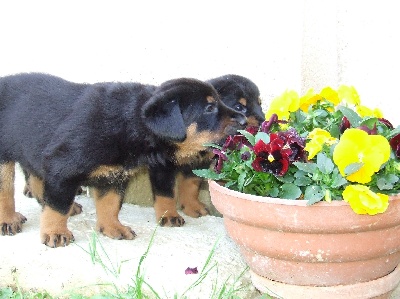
240,94
68,135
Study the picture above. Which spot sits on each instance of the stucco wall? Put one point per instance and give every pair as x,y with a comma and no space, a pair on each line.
278,44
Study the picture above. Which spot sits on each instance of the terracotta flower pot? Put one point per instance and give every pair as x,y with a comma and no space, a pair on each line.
320,251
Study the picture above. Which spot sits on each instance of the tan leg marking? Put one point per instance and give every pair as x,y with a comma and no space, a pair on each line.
188,192
27,190
107,207
36,188
10,220
53,228
166,214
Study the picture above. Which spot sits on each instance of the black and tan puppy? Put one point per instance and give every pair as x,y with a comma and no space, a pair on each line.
67,135
242,95
237,92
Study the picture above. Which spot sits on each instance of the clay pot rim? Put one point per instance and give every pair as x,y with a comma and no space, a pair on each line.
281,201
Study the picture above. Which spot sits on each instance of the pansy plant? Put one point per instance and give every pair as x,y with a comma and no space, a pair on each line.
320,146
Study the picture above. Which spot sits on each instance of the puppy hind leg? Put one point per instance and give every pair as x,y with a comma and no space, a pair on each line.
10,220
188,195
162,182
108,204
58,200
36,190
27,188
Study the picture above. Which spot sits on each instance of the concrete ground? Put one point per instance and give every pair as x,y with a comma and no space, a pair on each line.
26,263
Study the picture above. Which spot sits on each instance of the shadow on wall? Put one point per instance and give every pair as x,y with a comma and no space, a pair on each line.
139,193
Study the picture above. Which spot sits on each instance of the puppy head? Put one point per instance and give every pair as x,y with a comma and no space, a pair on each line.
189,113
240,94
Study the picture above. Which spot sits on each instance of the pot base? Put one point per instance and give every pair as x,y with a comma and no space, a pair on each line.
380,288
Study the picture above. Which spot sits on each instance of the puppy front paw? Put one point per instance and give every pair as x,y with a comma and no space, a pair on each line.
12,224
195,209
53,228
171,221
57,239
116,230
166,213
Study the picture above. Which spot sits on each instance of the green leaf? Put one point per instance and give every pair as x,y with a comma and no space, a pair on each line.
274,192
286,178
302,178
262,136
334,130
337,179
351,115
302,181
290,191
387,182
313,194
319,113
369,122
352,168
325,164
307,167
394,132
250,137
208,174
241,180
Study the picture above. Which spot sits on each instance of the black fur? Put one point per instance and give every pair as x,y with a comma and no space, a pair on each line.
240,94
232,88
62,132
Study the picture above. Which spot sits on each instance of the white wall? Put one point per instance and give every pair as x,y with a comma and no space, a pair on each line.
277,44
355,43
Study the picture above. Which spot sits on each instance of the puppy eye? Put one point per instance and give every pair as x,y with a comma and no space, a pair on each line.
239,107
210,108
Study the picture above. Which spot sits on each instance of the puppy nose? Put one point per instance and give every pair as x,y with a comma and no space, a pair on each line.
260,117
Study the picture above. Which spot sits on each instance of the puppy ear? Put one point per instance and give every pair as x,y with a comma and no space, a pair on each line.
162,115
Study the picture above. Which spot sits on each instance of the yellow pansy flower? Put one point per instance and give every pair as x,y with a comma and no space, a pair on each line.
363,201
318,137
310,98
348,94
282,106
356,146
365,111
330,94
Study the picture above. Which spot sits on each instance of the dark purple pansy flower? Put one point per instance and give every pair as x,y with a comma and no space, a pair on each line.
386,123
191,270
246,156
237,141
296,144
372,131
267,125
395,144
221,157
233,142
252,130
345,124
272,157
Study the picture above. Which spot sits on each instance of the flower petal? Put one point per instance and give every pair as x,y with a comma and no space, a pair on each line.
363,201
356,146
